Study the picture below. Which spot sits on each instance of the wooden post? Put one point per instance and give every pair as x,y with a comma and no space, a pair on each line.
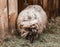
50,8
35,2
55,7
40,2
59,7
20,5
45,6
45,2
3,19
13,10
30,2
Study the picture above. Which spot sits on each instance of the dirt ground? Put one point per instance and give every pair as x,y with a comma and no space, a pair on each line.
50,38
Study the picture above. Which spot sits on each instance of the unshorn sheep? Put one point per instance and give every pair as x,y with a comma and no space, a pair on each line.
31,22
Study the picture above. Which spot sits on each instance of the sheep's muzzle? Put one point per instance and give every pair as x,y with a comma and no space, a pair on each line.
30,33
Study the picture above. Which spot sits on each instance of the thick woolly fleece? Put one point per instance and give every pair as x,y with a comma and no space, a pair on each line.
32,19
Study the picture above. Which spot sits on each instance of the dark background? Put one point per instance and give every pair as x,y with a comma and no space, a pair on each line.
52,7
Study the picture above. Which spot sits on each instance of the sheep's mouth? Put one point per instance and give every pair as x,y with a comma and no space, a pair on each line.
31,34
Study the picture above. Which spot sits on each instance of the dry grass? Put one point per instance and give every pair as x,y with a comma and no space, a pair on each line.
50,38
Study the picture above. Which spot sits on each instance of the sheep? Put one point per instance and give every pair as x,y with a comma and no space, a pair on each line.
31,22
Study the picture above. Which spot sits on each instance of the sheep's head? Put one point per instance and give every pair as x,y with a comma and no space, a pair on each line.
29,32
